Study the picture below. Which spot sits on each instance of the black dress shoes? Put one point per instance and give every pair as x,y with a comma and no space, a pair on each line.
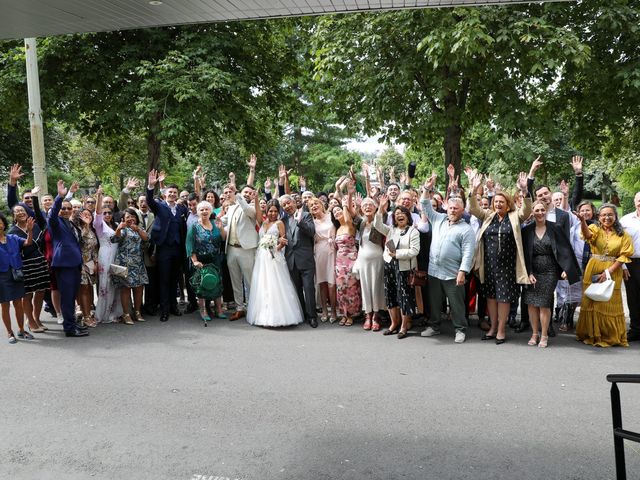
76,333
313,323
164,317
175,311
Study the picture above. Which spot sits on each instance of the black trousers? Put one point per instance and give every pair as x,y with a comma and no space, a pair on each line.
633,295
304,282
168,267
151,290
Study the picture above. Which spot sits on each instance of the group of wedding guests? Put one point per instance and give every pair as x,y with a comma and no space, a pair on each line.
385,252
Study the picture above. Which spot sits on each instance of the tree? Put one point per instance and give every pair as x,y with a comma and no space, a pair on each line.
420,75
189,87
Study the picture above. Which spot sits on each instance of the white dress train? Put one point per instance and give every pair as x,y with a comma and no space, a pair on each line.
108,306
273,301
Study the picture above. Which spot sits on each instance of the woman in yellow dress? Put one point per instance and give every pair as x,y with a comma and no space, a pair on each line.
602,323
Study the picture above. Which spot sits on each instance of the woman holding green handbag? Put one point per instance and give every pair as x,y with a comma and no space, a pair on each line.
204,247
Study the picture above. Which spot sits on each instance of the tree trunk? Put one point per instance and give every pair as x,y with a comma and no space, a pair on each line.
452,152
153,142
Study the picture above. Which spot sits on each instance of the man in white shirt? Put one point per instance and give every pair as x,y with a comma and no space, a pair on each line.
631,224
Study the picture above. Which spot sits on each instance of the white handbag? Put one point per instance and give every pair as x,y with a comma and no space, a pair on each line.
602,291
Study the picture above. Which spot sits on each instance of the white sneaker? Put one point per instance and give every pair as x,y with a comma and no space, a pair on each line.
460,337
429,332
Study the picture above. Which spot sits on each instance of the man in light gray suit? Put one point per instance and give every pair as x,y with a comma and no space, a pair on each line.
301,231
241,243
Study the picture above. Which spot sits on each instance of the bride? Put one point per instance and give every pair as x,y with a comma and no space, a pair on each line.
273,301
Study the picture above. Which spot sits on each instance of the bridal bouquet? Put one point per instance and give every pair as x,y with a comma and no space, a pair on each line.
269,242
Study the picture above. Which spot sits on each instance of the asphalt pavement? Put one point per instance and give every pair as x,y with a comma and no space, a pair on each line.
177,400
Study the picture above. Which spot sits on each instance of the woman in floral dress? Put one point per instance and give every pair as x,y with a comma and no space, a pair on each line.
130,239
89,249
347,283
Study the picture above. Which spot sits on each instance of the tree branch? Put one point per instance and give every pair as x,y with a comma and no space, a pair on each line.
423,85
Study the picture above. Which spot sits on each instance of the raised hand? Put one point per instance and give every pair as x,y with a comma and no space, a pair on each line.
132,183
253,160
15,174
365,170
384,202
490,183
358,199
380,173
35,190
576,163
30,223
522,182
451,171
564,188
74,187
476,181
267,184
470,172
161,176
152,178
282,173
303,182
351,187
537,163
62,190
430,182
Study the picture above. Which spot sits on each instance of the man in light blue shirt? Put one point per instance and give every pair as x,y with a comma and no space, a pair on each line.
450,260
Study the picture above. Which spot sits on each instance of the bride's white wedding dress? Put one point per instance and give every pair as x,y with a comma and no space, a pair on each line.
273,301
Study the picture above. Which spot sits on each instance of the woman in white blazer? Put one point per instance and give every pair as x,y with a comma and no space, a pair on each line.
404,240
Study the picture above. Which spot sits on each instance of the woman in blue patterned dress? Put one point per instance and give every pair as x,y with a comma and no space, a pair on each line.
204,247
130,239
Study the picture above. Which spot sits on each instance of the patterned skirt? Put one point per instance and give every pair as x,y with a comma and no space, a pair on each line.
36,274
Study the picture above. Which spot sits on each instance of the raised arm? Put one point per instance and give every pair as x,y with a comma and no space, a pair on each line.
578,186
151,185
524,211
15,174
253,160
40,220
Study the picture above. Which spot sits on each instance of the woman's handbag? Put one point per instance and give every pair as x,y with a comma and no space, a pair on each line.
417,278
118,270
602,291
17,274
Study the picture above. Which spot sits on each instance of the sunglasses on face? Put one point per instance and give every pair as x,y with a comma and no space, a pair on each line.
107,213
90,201
66,208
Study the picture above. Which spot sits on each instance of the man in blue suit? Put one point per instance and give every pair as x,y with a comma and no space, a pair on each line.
168,235
67,260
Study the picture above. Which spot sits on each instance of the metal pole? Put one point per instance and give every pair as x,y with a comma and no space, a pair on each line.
35,116
618,442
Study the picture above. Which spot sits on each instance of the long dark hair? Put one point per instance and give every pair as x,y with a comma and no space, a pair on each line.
617,226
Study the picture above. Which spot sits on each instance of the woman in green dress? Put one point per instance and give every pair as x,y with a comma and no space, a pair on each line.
204,248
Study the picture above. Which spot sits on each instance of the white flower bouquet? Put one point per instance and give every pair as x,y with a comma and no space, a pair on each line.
269,242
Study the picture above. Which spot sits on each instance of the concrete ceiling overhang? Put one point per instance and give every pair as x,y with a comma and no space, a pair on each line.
41,18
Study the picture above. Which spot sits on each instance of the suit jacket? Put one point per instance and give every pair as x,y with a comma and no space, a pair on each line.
66,248
246,224
162,214
563,221
299,251
562,250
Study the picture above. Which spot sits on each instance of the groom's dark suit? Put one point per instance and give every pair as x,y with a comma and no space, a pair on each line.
301,231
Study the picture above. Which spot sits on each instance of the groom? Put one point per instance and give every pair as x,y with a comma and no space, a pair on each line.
300,231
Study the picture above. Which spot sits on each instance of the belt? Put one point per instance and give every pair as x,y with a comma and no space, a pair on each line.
235,245
604,258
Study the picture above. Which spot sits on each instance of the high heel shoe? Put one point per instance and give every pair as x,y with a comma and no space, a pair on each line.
500,341
543,342
139,317
533,341
126,318
367,322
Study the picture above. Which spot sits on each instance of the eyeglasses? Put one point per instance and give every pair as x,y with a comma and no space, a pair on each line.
66,208
107,213
89,201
